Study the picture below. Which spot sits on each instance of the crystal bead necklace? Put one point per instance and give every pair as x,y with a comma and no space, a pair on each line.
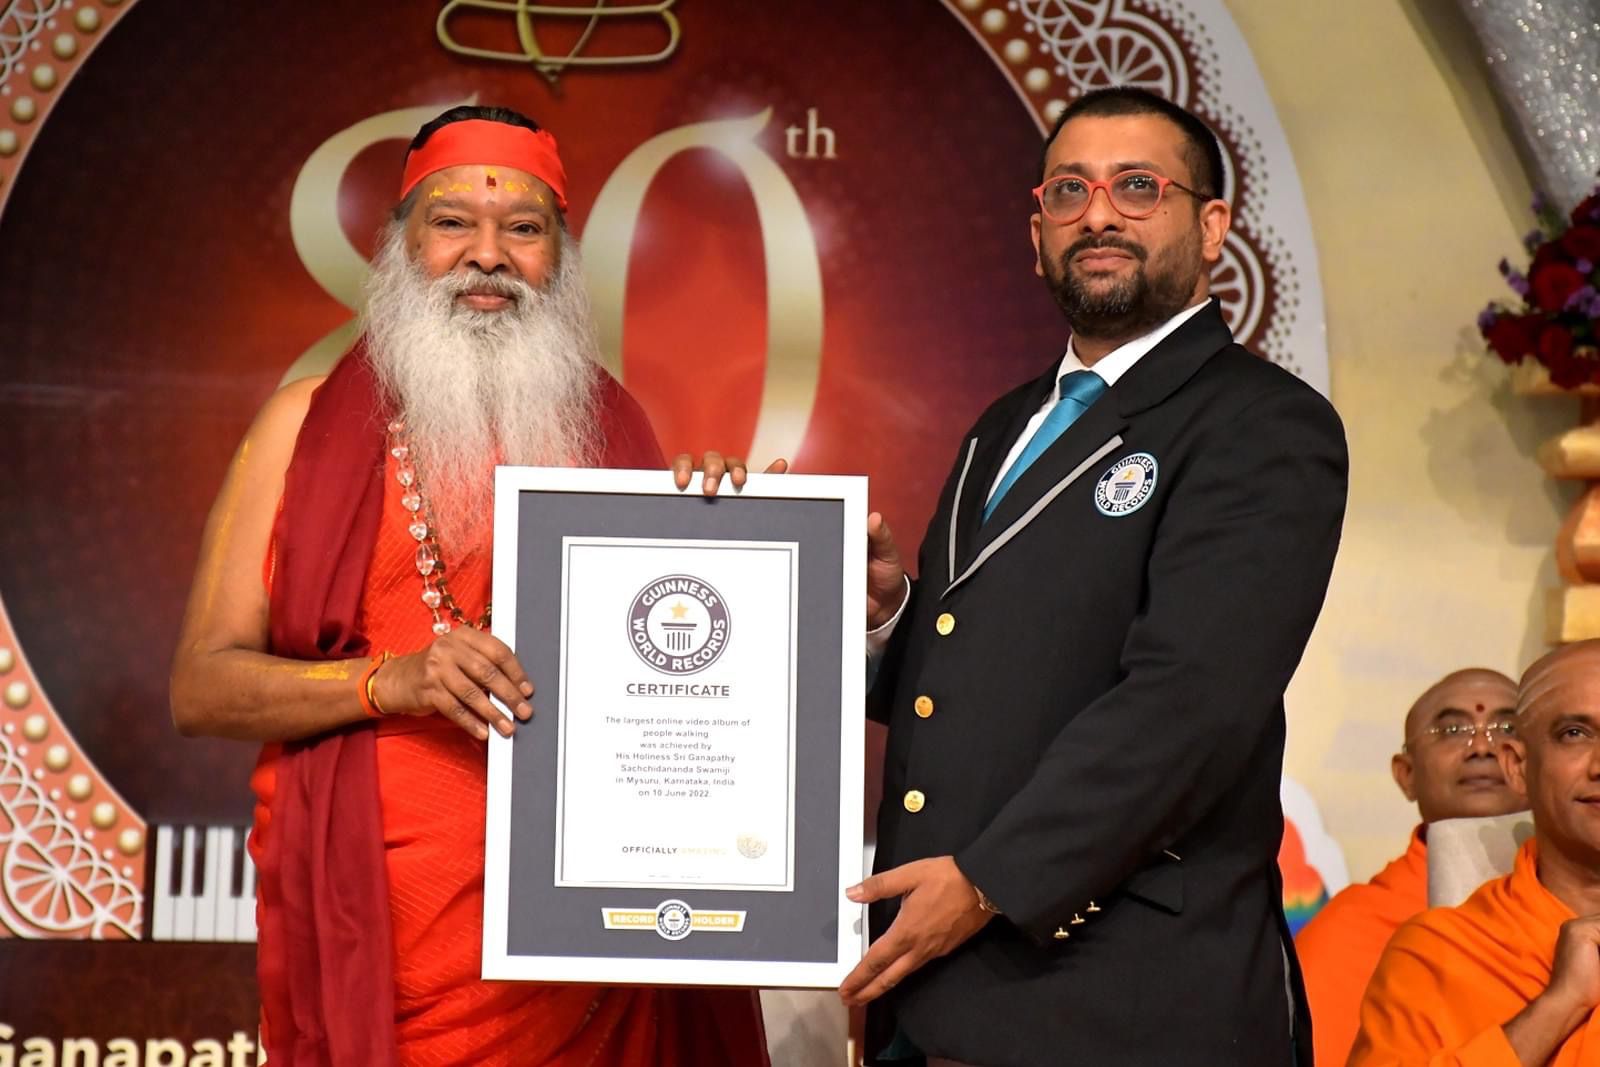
430,558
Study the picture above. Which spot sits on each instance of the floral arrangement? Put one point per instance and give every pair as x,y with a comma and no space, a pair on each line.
1557,322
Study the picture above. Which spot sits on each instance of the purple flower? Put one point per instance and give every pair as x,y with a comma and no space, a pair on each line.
1585,266
1540,204
1486,317
1581,299
1532,239
1593,310
1518,283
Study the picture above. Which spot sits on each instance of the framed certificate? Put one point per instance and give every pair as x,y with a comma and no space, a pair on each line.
685,807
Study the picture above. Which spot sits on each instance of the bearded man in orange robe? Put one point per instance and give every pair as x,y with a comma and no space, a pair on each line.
339,617
1511,978
1448,766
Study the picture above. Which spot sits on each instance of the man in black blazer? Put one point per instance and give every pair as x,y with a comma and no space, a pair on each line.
1077,846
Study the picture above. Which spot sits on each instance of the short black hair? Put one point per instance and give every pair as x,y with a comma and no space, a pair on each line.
469,112
463,113
1202,151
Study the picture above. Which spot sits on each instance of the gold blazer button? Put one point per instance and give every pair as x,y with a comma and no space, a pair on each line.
923,706
944,624
914,800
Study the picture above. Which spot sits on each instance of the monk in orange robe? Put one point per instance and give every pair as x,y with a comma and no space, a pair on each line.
1511,978
1447,766
362,663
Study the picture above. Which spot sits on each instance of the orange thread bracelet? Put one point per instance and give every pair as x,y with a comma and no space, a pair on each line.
369,703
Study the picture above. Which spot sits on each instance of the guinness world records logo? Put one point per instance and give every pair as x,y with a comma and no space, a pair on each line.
1124,488
678,624
674,920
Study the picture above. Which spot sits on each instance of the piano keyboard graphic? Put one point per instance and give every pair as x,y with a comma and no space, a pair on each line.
205,885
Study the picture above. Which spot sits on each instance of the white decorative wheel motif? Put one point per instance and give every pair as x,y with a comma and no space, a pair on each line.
1119,57
52,883
1061,20
1239,285
1099,44
20,24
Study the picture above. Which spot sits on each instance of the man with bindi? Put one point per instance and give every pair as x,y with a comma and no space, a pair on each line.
339,619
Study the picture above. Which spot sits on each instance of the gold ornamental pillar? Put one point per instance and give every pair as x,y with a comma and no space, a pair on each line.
1572,610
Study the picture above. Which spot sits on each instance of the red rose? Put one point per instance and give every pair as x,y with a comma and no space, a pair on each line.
1555,352
1555,342
1582,242
1553,283
1547,255
1513,336
1588,209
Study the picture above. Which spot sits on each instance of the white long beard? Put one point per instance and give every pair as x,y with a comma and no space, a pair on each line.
475,388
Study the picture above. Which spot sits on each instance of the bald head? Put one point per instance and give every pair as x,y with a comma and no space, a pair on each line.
1475,688
1448,765
1566,679
1556,760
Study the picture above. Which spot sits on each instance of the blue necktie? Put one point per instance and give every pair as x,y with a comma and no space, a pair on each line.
1079,389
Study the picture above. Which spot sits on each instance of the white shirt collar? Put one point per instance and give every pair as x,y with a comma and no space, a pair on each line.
1120,360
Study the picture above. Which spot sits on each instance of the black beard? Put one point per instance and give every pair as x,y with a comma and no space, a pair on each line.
1134,305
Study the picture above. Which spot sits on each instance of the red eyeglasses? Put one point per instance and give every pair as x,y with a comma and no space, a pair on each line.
1134,193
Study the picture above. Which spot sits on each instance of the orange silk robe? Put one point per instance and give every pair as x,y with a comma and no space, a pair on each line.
1453,977
432,787
1340,946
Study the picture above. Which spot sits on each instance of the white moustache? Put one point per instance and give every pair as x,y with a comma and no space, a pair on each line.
479,283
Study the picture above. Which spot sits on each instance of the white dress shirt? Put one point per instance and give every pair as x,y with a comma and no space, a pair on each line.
1111,367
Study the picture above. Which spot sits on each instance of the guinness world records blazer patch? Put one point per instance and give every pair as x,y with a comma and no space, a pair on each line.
1124,488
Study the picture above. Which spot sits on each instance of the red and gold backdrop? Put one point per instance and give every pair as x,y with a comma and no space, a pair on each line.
805,228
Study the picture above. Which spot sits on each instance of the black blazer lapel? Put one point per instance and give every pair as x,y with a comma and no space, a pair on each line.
1165,368
1156,376
995,437
1102,422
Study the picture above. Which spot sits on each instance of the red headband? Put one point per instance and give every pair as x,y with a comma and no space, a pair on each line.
493,144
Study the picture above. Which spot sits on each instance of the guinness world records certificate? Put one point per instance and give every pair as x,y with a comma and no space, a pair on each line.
692,760
685,806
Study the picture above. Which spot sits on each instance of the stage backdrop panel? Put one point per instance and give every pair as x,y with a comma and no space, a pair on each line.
805,230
